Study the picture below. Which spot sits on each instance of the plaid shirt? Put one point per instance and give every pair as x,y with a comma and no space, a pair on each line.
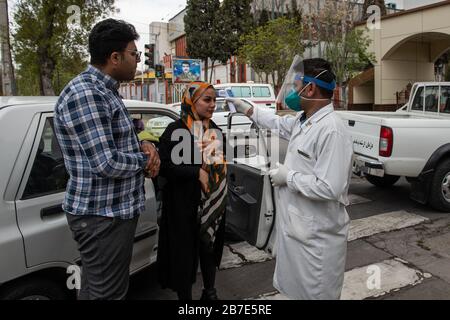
100,147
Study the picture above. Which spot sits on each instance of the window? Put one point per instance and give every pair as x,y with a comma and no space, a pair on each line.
431,98
261,92
221,106
418,100
445,100
48,174
150,126
241,92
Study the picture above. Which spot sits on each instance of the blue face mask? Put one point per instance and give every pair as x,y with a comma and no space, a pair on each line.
293,101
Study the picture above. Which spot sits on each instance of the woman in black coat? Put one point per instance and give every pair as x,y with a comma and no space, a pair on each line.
194,197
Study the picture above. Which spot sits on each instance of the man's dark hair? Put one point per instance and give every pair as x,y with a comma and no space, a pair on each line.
109,36
186,62
313,67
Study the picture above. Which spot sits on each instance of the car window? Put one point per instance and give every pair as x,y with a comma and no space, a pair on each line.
241,92
150,126
431,98
418,100
445,100
261,92
221,106
48,174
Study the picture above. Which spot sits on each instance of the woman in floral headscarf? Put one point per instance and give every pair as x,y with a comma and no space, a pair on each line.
194,196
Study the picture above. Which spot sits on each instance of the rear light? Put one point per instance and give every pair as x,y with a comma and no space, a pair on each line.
386,141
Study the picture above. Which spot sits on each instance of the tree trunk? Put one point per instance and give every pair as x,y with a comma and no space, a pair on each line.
46,62
206,69
46,74
8,80
212,71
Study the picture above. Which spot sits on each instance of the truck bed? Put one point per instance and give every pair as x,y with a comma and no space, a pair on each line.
415,137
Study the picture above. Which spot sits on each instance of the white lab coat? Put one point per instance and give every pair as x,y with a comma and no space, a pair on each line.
312,223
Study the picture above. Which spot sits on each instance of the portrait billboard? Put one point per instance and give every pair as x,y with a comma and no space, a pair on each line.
186,70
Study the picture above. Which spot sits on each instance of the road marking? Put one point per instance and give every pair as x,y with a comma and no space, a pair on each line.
229,259
242,253
250,253
238,254
360,283
383,223
394,274
355,199
275,295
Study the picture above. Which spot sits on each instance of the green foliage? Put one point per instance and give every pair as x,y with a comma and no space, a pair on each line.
213,29
236,20
349,55
201,29
346,48
49,46
271,48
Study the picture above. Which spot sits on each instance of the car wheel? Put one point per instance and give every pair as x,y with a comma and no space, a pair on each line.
386,181
34,289
440,187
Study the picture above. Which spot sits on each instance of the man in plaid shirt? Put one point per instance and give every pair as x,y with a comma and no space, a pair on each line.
106,163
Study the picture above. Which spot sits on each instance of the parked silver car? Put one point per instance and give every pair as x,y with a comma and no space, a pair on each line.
37,252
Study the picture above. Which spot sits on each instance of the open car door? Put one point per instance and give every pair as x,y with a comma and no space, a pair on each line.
251,206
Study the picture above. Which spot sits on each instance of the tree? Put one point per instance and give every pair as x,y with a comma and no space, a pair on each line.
236,17
345,47
263,17
202,30
50,41
235,20
271,48
8,78
293,12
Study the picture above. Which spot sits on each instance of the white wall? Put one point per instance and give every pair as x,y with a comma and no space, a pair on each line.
160,36
176,26
363,94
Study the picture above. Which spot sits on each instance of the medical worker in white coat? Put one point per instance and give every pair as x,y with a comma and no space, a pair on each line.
312,223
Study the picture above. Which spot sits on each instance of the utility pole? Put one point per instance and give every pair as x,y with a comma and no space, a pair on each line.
7,72
156,62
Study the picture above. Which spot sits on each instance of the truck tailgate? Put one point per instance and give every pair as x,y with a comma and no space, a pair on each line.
365,133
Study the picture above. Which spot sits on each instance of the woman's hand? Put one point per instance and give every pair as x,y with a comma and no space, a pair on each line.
203,178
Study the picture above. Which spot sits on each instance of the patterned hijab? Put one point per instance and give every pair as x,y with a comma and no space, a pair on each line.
213,204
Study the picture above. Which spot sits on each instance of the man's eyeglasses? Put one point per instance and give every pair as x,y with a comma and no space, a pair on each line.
135,53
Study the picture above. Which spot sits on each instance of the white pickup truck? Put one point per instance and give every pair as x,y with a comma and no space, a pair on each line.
413,142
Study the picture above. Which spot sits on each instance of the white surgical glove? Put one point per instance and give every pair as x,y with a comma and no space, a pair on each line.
278,176
241,106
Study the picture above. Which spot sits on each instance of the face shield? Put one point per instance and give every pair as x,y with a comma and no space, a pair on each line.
292,81
296,82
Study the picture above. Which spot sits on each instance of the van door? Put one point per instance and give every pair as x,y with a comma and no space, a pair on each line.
263,95
251,208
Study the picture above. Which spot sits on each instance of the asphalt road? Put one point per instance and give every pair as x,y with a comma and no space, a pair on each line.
407,241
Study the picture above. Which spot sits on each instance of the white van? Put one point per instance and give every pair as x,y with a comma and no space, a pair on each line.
259,93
